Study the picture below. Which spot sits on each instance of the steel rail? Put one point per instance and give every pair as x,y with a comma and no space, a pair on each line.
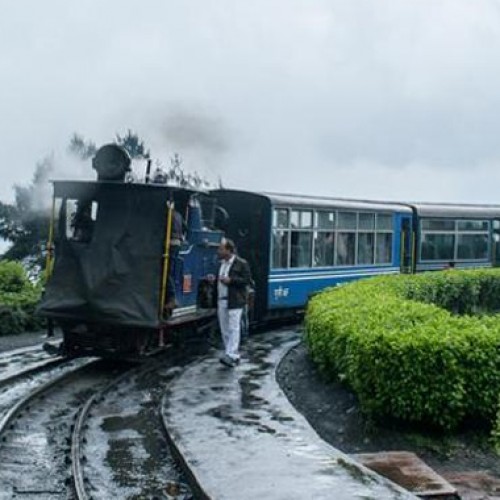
40,366
25,401
76,437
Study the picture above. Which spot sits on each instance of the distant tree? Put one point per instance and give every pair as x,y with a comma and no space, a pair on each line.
8,226
175,174
133,144
81,148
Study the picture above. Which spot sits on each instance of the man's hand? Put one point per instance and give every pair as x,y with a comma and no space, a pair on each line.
226,280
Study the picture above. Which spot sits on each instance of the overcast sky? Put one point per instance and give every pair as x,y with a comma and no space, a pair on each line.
378,99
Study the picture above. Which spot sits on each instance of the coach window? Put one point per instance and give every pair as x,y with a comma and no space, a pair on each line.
472,239
280,218
324,238
301,238
437,239
366,238
346,238
383,235
280,238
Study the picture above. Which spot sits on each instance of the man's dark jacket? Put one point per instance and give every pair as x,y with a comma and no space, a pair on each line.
241,280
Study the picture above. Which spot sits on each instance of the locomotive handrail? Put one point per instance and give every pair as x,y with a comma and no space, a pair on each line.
186,252
50,242
166,257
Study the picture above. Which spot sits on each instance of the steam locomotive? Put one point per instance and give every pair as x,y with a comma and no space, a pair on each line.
110,255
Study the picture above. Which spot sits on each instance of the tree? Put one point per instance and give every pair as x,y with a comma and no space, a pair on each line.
133,144
26,223
81,148
176,175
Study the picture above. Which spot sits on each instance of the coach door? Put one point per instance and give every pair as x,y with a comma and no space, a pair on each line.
495,244
406,260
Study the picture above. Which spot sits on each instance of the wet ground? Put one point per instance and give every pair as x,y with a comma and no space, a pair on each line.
223,411
34,451
333,411
125,449
127,455
240,438
15,361
10,393
27,339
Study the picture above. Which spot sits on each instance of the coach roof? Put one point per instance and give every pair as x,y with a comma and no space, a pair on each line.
457,210
341,203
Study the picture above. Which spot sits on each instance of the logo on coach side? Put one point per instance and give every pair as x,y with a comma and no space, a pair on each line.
281,292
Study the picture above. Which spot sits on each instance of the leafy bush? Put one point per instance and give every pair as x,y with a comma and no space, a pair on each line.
416,348
496,431
18,300
13,278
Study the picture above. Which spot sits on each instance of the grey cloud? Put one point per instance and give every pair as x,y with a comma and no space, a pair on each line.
325,96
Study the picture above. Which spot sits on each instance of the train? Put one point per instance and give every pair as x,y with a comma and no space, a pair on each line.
110,259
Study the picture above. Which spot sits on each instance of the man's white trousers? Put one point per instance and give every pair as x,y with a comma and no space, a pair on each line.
230,327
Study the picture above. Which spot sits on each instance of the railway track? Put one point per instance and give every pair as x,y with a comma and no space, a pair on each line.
87,429
21,384
118,446
36,431
78,439
18,360
31,370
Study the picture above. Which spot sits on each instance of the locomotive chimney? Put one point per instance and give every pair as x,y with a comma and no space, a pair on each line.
111,162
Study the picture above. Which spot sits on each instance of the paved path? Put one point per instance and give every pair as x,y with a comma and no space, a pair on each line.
239,438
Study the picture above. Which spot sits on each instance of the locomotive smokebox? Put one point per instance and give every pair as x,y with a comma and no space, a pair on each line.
111,163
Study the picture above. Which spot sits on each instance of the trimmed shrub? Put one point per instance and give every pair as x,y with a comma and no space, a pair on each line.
18,300
419,348
496,431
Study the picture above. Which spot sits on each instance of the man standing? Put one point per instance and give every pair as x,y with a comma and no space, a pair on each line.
233,281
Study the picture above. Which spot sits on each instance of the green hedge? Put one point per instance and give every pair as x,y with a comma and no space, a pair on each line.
419,348
496,431
18,300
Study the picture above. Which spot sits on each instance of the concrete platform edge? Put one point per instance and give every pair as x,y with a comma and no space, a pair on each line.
183,455
193,482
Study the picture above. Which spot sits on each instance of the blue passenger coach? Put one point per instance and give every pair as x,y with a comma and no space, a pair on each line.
465,236
298,245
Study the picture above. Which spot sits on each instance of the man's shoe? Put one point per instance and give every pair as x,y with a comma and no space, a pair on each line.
227,361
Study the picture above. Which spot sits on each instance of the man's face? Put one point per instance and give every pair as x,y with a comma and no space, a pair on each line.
222,251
